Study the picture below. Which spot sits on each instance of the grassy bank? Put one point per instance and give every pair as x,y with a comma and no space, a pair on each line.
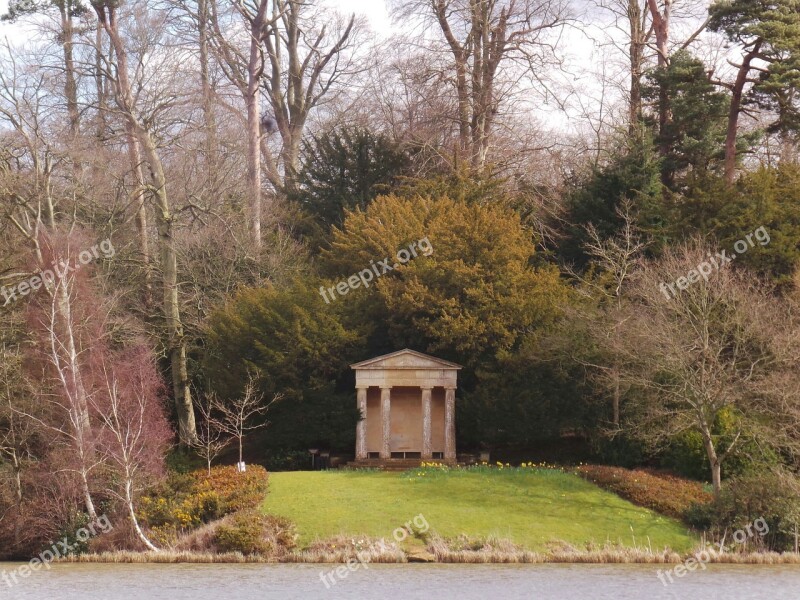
532,508
478,515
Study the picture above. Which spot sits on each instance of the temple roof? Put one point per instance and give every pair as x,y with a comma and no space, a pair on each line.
405,359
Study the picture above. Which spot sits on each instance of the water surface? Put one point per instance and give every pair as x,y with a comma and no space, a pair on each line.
401,582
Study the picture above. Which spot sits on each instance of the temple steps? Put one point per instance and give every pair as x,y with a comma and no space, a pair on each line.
392,464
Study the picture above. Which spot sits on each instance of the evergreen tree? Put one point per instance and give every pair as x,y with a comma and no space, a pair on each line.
632,175
343,169
694,138
768,33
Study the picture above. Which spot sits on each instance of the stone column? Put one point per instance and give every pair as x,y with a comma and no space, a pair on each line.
450,424
426,423
361,428
386,408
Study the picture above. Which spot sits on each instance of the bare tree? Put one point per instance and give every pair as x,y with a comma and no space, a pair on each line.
136,433
617,259
723,347
256,19
236,417
631,19
306,60
30,207
482,36
211,434
66,333
107,14
298,62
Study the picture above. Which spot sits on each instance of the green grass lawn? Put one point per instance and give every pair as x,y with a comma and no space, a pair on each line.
530,507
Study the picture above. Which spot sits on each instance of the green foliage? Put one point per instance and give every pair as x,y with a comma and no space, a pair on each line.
634,174
697,208
533,395
462,185
182,460
687,455
768,495
621,450
774,29
69,532
695,134
280,459
344,169
767,197
469,300
298,347
20,8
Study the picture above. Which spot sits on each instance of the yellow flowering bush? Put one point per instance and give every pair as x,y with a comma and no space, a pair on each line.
191,500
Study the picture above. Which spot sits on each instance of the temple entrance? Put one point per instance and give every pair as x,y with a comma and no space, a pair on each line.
407,402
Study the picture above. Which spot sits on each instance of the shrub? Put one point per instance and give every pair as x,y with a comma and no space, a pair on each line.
288,460
620,451
194,499
687,455
772,497
251,532
662,493
236,491
69,533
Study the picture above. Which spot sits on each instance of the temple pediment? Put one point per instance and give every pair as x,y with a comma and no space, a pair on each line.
405,359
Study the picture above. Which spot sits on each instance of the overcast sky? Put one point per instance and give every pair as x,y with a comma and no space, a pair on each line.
582,60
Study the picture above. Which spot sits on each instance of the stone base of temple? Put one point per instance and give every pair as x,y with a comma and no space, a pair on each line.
395,464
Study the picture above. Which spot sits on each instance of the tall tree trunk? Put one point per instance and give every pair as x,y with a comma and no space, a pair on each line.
176,341
291,159
169,265
65,359
462,89
70,86
737,93
255,68
17,468
713,459
134,520
636,55
100,83
661,25
209,119
135,156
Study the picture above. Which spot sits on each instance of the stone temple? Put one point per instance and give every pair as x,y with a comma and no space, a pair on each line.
407,401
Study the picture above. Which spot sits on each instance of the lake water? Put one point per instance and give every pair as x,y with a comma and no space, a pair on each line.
424,581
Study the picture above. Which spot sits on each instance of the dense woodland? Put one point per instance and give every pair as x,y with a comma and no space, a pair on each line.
180,179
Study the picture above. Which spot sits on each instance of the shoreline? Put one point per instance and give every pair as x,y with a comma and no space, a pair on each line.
458,557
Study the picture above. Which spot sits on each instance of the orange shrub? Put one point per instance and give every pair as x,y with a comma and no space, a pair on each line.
663,493
236,491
